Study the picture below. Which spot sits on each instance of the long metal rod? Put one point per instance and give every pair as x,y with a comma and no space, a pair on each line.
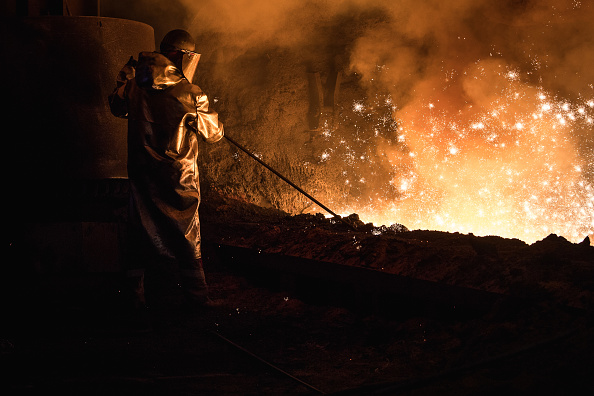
267,363
239,146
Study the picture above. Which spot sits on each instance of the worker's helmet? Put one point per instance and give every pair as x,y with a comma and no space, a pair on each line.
177,39
178,45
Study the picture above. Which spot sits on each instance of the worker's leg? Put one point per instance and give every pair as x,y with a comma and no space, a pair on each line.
193,281
134,288
134,273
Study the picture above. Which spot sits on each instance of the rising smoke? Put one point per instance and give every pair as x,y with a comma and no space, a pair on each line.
493,101
550,40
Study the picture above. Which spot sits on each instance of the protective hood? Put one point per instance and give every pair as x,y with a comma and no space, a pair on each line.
178,45
156,71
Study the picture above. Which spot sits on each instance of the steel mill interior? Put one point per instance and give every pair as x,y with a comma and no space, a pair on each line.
403,204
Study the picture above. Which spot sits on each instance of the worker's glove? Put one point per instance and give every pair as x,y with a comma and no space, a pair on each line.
128,71
132,62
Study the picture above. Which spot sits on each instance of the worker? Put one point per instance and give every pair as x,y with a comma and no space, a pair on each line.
166,115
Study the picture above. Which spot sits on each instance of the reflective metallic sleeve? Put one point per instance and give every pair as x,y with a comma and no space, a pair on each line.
207,121
117,99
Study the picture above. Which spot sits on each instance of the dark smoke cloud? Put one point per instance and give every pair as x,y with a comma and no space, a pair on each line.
463,56
467,57
551,41
421,45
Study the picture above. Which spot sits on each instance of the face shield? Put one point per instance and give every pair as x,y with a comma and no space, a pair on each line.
185,60
189,63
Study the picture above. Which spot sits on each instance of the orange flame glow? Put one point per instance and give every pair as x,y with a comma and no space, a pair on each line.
507,163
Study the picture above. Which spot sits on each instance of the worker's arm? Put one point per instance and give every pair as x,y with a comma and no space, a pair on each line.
117,99
207,122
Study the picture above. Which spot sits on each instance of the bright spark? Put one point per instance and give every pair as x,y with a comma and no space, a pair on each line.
513,169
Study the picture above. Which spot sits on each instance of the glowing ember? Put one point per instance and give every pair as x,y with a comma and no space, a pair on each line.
510,169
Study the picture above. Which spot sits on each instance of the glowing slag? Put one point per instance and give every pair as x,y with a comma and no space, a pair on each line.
515,166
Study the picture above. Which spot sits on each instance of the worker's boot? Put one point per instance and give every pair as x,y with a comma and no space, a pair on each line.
134,289
195,289
136,317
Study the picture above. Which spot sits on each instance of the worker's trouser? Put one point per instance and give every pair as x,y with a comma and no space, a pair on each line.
193,283
165,281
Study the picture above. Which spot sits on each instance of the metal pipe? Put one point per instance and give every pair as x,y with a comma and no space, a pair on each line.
267,363
352,227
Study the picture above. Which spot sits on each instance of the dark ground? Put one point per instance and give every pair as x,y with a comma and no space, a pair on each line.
70,334
510,349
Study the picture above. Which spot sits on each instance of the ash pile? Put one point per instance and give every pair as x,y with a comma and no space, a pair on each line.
551,270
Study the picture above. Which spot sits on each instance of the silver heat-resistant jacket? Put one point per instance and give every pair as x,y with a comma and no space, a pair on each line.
166,113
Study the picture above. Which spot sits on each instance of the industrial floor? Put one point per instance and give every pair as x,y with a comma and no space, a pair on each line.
73,342
264,340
